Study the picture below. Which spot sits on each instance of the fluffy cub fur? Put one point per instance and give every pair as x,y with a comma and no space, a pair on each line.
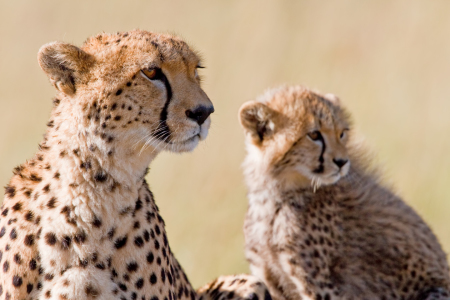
319,224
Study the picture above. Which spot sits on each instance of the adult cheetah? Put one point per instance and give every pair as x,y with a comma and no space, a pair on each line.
78,220
319,223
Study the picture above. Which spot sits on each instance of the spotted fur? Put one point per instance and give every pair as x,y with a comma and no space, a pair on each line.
78,220
319,224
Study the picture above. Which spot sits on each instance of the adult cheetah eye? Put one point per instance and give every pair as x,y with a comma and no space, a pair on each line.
315,135
152,73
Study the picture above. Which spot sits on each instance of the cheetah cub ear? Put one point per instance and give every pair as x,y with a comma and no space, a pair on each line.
64,64
257,120
333,99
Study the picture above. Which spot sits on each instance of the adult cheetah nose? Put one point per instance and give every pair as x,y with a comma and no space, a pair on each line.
200,113
340,162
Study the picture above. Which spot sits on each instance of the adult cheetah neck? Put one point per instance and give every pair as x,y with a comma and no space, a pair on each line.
80,158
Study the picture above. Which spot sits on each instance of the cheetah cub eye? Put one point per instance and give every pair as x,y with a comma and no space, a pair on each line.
315,135
343,133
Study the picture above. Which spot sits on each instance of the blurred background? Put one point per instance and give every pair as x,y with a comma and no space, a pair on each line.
388,61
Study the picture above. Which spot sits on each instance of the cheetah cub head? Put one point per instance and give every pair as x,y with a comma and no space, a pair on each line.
137,89
296,135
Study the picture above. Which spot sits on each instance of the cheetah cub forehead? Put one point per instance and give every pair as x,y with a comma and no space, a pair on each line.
140,86
298,135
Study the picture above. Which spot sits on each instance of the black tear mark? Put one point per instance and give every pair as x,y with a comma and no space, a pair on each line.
321,167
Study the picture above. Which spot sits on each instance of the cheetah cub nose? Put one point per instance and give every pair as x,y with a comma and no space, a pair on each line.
340,162
200,113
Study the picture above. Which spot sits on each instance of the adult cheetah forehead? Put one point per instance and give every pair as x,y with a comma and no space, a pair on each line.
132,44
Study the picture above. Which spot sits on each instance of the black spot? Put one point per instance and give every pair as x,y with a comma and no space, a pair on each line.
52,203
17,206
48,277
2,231
5,212
163,275
80,237
33,264
123,287
83,263
157,230
91,291
97,222
114,106
46,188
117,118
146,235
29,240
119,91
150,257
17,258
100,266
111,233
29,216
100,176
65,242
120,242
138,241
132,266
128,83
139,283
29,288
138,205
136,225
153,279
17,281
10,191
50,238
13,234
5,266
156,244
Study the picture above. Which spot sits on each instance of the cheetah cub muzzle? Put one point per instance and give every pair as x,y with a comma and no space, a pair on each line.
78,220
319,224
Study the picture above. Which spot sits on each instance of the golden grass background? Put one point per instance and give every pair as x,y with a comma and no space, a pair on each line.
389,62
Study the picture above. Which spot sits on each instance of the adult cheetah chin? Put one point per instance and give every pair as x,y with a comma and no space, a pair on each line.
78,220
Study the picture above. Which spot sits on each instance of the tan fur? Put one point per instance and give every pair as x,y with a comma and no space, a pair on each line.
316,230
78,220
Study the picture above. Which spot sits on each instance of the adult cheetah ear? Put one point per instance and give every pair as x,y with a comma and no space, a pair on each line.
64,64
257,119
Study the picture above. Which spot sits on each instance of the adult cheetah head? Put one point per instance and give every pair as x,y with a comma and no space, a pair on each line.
298,135
136,88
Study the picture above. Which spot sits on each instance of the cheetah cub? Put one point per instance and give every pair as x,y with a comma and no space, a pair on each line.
78,220
319,224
